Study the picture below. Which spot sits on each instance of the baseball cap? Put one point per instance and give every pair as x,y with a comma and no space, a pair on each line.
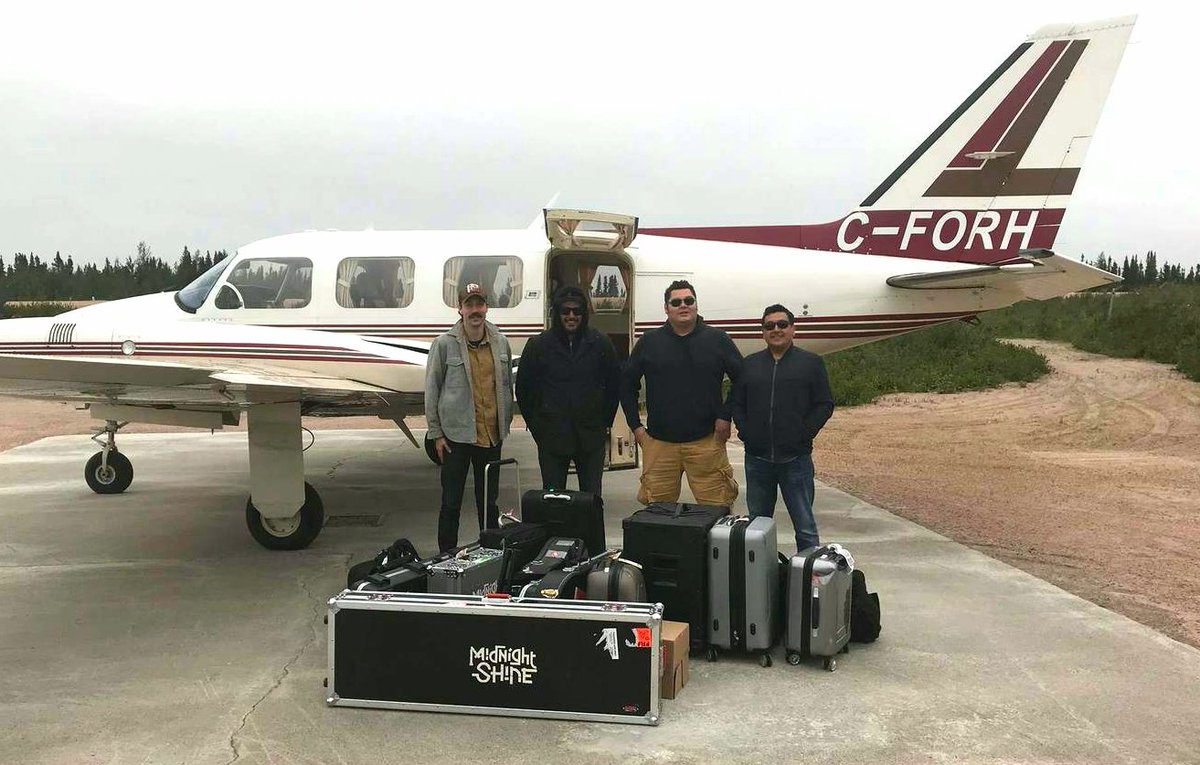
471,290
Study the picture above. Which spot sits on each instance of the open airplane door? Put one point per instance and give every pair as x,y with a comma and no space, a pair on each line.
587,249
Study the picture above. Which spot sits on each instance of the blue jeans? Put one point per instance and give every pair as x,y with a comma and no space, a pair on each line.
764,477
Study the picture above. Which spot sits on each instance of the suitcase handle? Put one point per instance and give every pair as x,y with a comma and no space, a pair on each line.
557,497
487,471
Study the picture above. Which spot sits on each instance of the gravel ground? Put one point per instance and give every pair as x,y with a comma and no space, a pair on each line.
1088,478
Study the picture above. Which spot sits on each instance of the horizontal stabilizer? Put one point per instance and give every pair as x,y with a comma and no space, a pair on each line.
1040,275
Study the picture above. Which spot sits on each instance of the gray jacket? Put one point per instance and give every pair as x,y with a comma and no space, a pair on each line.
449,396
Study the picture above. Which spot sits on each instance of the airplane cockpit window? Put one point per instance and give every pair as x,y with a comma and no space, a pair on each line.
499,275
195,293
267,283
375,282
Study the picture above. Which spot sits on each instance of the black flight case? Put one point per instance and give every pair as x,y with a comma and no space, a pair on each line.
470,654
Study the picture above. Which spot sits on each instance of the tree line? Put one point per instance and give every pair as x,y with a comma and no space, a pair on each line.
1135,271
29,277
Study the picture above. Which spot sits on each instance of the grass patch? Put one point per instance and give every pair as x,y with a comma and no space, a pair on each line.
948,358
1160,322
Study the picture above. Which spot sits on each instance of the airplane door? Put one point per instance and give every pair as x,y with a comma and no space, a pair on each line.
588,251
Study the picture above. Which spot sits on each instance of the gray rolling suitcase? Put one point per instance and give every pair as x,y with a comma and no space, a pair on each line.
743,586
473,571
818,604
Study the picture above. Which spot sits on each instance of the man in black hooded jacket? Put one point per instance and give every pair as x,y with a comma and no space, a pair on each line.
568,386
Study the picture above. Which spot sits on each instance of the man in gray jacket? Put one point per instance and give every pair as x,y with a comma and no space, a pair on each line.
469,408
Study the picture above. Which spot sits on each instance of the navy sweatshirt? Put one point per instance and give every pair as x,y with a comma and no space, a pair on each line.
683,381
780,406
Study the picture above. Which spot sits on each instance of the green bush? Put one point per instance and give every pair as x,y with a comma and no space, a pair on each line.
945,359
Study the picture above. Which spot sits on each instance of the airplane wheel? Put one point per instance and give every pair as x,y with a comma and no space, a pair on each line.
293,533
113,479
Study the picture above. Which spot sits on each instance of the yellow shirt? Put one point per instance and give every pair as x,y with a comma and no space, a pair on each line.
483,384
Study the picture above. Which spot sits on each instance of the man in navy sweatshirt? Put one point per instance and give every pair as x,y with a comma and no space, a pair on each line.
780,402
684,362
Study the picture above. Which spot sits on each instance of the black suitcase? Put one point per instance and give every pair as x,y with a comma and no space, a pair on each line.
670,541
574,514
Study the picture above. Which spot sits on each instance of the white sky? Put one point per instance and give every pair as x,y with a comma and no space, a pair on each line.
225,122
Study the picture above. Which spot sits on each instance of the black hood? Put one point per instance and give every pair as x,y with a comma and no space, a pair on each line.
564,295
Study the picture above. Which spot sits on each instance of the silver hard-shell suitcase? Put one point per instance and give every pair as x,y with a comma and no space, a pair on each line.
743,586
818,604
474,571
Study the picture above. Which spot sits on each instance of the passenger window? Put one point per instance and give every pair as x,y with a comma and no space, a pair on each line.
499,275
267,283
375,282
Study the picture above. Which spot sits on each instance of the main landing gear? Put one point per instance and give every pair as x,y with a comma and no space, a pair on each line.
293,533
108,471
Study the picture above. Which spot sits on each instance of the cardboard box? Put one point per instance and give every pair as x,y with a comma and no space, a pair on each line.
675,642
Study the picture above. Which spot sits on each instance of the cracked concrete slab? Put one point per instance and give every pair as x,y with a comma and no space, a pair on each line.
149,627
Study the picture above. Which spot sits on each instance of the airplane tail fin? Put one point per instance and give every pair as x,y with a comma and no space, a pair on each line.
995,177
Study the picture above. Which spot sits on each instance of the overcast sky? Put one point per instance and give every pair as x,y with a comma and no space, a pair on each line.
221,123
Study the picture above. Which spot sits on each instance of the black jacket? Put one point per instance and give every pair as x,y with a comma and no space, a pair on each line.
683,381
568,387
780,406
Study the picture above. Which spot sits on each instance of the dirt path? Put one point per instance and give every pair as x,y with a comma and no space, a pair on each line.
1088,478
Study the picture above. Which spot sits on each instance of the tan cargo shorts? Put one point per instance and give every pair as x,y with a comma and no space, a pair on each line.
709,475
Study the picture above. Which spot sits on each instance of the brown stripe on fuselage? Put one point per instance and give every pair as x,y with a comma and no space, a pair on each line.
1001,177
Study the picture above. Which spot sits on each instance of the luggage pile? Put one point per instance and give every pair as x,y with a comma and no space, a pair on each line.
688,578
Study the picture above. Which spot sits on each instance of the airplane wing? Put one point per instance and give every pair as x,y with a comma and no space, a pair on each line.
158,383
1037,275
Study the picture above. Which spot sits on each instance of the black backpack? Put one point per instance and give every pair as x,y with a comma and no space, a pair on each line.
864,610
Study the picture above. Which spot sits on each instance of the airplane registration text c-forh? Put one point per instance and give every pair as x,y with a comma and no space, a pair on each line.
339,323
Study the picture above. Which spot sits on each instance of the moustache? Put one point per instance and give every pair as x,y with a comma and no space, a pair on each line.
475,315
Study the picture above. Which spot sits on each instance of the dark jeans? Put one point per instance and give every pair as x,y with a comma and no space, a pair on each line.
589,468
764,477
455,465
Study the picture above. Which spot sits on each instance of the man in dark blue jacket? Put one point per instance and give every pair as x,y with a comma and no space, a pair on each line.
780,403
568,385
684,363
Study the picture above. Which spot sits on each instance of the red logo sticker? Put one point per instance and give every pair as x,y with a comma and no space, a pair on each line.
641,637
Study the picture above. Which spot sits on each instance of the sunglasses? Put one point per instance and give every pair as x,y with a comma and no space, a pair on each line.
777,324
570,310
676,302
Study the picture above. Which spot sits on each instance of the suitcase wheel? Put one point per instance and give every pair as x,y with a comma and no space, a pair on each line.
764,659
830,664
793,658
712,653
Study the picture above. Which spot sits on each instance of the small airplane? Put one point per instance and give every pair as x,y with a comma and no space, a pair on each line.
339,323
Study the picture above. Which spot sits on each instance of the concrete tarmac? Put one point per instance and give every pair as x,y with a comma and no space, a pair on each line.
150,628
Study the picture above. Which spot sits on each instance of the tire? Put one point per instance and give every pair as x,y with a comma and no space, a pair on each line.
793,658
115,479
830,664
288,534
712,653
764,660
